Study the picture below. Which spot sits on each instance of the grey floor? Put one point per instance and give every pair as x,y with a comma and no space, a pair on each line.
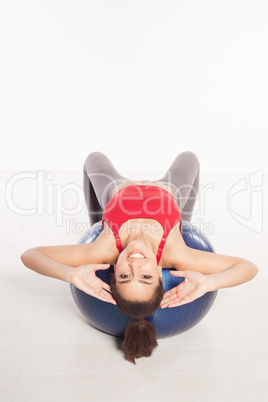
47,351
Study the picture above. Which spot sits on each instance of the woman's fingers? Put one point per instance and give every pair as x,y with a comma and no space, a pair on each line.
178,273
166,300
171,292
104,296
106,287
171,295
105,293
100,266
174,302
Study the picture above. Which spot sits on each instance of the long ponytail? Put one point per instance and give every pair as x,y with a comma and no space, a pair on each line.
140,339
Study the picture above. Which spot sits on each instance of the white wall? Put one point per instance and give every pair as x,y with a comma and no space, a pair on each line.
139,80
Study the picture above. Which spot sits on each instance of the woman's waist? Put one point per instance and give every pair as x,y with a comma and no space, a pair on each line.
135,202
142,183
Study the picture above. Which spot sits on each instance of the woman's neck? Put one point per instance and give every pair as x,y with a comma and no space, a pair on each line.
149,234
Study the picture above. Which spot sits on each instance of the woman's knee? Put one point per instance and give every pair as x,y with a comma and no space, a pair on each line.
186,162
189,157
92,160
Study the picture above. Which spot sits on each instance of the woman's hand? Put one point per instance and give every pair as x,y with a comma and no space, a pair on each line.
85,279
194,286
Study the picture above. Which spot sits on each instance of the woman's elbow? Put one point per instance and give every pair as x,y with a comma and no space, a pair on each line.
26,257
253,269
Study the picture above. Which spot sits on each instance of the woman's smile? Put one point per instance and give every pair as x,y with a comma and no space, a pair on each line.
136,254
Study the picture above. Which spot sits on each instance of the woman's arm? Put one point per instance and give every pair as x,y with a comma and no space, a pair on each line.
205,272
207,263
238,273
74,264
39,261
58,261
54,261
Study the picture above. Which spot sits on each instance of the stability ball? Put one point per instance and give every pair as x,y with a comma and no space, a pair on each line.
169,321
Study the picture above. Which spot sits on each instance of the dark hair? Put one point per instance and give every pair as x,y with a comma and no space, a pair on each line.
140,335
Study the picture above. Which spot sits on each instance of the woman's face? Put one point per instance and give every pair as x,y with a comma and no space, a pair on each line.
136,272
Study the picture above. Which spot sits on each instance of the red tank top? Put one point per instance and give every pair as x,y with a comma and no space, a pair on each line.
142,201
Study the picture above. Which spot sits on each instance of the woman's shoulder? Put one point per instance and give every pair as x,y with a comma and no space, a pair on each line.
106,244
106,230
174,245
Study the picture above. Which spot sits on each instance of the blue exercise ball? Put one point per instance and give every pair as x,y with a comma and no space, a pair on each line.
169,321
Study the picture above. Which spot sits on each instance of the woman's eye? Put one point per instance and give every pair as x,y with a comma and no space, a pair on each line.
124,276
146,276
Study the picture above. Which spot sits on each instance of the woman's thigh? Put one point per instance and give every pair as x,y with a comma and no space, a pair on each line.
183,177
102,175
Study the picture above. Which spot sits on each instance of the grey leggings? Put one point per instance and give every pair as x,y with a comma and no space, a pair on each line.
100,177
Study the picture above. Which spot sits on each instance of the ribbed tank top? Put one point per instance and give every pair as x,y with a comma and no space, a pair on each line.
142,201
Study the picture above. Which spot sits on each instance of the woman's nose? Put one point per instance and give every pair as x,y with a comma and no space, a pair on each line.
136,262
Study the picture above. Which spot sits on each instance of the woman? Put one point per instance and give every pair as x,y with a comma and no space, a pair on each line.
141,234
